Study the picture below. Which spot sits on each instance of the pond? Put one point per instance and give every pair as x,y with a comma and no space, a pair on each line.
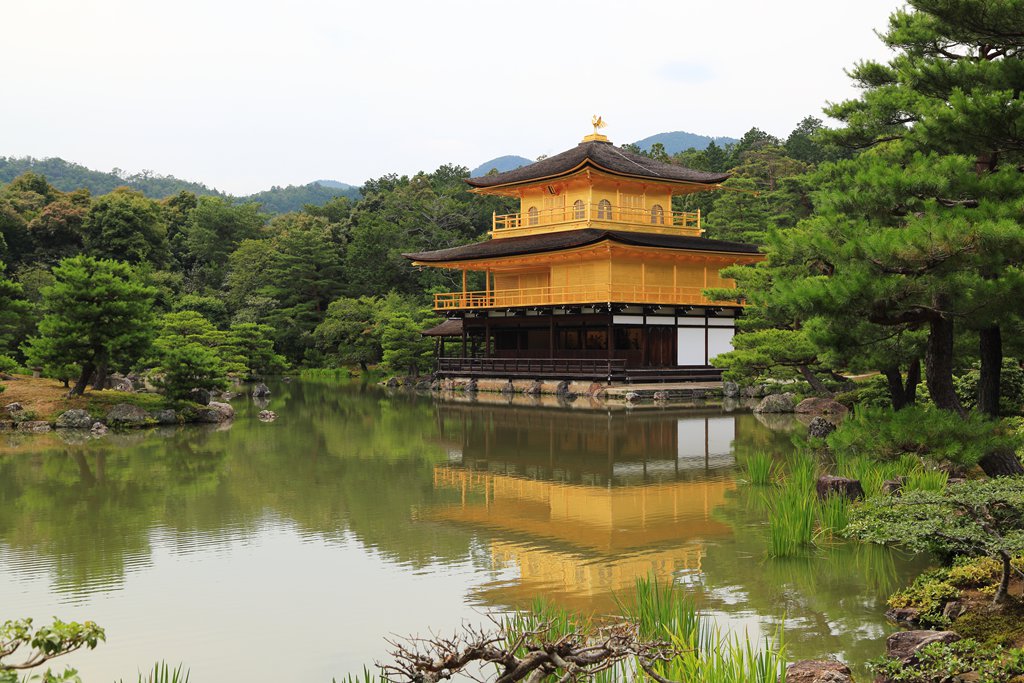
290,550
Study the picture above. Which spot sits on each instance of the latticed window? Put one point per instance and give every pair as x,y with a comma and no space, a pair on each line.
578,211
534,215
604,209
657,214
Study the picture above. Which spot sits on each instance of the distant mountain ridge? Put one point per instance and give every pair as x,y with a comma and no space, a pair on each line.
509,162
674,142
67,176
680,141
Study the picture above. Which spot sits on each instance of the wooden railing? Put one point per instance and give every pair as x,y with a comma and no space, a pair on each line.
558,295
688,221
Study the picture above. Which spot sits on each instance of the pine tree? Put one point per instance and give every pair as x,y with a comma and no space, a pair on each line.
97,314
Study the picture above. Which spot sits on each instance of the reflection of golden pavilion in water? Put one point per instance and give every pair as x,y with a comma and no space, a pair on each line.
583,507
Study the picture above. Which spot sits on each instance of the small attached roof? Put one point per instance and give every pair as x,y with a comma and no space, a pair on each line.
602,156
571,239
449,328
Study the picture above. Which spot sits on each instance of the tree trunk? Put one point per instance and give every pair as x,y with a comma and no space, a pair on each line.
100,380
938,363
1001,463
913,379
896,391
816,384
1004,581
990,348
83,380
362,366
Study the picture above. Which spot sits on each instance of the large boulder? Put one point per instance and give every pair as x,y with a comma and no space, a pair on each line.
260,390
820,427
200,396
820,406
126,415
168,416
904,645
839,486
75,418
119,382
215,413
818,671
730,389
776,403
13,407
34,426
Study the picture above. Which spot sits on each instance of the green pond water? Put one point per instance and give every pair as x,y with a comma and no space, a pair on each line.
288,551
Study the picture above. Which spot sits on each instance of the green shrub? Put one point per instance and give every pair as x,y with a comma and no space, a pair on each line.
973,572
940,662
928,594
938,435
1011,386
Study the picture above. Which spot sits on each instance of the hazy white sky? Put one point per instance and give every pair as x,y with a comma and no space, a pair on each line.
245,94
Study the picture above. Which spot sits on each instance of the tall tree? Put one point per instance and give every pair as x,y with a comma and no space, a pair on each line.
952,88
126,226
97,314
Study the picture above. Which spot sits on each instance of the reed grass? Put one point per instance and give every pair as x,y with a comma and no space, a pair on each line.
926,480
833,515
760,468
163,673
791,519
705,654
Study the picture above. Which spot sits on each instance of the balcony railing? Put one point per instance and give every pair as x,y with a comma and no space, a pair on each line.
558,295
687,221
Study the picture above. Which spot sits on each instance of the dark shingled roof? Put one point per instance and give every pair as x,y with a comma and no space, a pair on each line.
600,154
449,328
570,239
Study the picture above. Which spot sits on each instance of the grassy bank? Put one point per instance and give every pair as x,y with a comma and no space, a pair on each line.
45,399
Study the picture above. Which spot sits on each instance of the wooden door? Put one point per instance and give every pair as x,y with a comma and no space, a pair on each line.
661,350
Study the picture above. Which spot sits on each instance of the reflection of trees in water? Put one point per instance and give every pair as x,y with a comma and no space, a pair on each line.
336,462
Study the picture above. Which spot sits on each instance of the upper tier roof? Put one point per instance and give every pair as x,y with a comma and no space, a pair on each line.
570,239
601,155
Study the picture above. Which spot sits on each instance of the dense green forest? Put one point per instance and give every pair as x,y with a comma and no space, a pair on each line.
67,177
328,283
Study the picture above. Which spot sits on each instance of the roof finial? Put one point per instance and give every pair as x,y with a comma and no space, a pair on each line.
598,123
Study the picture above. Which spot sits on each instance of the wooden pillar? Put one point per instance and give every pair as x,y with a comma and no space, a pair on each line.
463,339
487,337
551,335
463,286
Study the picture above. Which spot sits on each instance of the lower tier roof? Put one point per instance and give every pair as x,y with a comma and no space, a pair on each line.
571,239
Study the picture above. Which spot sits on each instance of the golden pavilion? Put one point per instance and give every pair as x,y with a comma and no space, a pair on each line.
594,277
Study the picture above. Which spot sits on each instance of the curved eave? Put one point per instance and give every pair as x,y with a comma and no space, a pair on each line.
590,163
482,261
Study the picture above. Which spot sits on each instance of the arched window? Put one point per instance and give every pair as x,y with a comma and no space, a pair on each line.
534,215
604,209
577,209
657,214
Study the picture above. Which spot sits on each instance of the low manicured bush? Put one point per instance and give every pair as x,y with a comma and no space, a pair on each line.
937,435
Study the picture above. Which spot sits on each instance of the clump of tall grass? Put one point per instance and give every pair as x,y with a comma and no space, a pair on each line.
760,468
926,480
162,673
833,515
704,654
791,518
